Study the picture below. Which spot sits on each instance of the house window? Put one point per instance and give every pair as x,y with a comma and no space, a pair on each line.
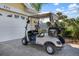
0,14
16,16
9,15
22,17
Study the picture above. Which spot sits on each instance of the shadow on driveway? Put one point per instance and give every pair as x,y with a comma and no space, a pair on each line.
15,48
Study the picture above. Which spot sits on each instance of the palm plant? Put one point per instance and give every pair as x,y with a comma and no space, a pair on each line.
61,17
37,6
74,23
66,23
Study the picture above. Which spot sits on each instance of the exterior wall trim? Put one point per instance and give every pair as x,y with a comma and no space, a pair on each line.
12,9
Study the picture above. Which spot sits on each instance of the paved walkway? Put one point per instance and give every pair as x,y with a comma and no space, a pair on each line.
15,48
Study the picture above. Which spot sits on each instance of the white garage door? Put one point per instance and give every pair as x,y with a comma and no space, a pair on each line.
11,27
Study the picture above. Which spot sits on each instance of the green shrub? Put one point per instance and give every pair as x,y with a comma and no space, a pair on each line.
67,33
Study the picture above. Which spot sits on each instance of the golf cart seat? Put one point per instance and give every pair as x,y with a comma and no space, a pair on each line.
32,35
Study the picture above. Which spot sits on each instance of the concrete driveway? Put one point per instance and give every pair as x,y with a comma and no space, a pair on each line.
15,48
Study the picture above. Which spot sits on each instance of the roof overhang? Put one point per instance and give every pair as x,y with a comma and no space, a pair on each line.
41,15
30,9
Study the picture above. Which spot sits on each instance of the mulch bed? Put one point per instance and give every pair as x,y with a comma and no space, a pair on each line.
73,41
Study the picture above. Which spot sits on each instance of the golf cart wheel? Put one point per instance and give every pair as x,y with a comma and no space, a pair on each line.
50,48
24,42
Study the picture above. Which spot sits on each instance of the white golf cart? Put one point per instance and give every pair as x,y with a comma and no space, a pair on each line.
41,29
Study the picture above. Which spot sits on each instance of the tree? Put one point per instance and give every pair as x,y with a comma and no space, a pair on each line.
37,6
71,25
66,24
61,17
59,13
75,25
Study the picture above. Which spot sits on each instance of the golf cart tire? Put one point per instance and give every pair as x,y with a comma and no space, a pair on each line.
52,46
24,42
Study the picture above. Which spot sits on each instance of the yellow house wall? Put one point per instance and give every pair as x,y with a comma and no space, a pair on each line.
19,6
5,11
16,5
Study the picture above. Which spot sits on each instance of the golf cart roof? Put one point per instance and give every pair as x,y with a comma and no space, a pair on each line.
42,15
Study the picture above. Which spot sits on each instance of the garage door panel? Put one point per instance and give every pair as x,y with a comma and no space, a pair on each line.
11,28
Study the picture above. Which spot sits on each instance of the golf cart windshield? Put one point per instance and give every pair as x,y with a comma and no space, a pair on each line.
43,23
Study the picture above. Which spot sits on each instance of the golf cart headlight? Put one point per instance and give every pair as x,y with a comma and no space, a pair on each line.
58,42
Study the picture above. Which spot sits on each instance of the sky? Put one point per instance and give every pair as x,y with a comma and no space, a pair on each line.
70,9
